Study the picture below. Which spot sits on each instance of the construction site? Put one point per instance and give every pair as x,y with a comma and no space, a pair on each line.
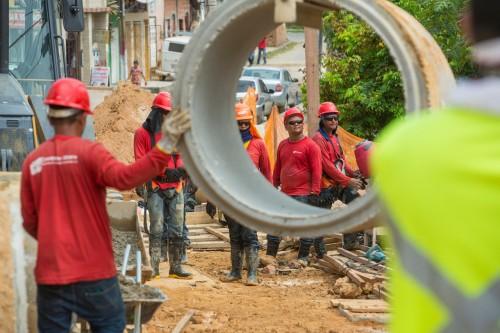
338,287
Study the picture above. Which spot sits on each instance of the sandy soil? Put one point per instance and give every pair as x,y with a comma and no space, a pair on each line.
298,302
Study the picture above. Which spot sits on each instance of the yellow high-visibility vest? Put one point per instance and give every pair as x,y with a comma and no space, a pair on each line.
439,178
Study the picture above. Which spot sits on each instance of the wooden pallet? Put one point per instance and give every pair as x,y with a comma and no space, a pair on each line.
356,310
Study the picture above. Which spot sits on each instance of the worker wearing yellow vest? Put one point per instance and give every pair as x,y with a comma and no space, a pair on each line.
439,177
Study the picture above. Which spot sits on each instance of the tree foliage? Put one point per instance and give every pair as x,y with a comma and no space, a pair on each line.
359,73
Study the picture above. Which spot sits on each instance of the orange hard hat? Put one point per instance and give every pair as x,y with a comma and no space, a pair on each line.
163,101
292,112
327,108
242,112
69,93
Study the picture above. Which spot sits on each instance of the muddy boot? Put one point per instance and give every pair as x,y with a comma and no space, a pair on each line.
184,256
155,253
303,255
175,254
272,249
236,264
252,264
319,247
164,251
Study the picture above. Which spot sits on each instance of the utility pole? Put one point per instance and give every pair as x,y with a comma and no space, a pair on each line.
121,32
312,77
176,17
4,37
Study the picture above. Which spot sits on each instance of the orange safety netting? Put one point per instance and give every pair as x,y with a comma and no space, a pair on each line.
275,132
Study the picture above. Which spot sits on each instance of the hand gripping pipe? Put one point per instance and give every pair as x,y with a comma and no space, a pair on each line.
206,84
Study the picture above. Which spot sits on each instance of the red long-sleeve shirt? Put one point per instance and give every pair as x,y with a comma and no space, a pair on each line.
330,152
258,154
63,200
298,167
142,145
262,43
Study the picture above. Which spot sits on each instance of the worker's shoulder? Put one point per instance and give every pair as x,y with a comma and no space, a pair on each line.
311,144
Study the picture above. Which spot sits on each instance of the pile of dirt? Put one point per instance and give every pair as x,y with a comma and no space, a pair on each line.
132,291
119,116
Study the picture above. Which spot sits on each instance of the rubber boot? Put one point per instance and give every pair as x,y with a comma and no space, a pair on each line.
252,255
184,256
164,251
303,255
155,254
272,249
236,265
175,254
319,247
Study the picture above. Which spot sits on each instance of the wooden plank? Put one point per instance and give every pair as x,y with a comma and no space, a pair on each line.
203,238
342,268
201,226
210,245
202,231
381,318
332,246
362,305
219,235
361,260
184,322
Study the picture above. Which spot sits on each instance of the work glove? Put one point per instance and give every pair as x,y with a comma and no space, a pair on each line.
176,123
211,210
313,200
356,184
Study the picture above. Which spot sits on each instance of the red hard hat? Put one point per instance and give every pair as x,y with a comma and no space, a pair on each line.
69,93
163,101
326,108
292,112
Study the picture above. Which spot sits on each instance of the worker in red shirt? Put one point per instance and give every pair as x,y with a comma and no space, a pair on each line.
298,172
262,51
241,237
339,181
164,191
63,202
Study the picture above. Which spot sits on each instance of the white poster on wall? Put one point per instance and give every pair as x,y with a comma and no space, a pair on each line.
99,76
152,41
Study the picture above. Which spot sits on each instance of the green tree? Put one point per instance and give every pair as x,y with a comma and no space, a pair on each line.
360,75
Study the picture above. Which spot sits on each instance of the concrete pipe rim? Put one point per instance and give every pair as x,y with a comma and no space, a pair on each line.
212,150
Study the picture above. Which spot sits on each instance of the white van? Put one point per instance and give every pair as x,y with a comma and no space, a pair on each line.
171,54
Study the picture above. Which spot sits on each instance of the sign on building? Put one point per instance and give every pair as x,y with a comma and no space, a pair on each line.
99,76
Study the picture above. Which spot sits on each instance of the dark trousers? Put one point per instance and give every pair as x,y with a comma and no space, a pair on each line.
98,302
347,195
241,236
262,55
274,241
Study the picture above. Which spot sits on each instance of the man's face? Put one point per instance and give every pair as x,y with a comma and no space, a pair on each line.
330,121
243,125
294,125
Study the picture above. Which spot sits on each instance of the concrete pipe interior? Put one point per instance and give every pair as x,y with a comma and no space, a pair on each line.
206,85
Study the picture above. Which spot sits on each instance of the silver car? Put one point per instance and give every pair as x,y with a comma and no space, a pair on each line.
286,89
263,95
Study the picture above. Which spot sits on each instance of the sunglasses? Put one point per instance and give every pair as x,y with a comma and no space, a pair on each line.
331,118
296,122
243,123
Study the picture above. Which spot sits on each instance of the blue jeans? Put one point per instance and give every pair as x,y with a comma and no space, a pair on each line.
241,236
262,52
166,214
98,302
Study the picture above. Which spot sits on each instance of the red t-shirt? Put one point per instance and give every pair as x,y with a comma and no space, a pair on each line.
330,152
258,154
63,200
262,43
142,145
298,167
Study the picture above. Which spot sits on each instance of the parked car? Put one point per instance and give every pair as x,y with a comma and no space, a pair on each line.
263,95
171,54
286,89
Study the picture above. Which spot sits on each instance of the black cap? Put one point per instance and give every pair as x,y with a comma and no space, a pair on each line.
485,19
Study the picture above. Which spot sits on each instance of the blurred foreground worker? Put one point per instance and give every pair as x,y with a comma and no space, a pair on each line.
442,190
298,172
164,193
241,237
63,201
339,181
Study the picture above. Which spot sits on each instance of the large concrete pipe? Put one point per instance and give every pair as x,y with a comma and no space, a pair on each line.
207,78
18,255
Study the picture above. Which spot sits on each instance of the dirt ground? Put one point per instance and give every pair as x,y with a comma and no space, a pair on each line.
298,302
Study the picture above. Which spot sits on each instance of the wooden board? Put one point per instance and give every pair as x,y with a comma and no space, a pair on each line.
218,234
203,238
193,218
362,260
201,226
202,231
342,268
184,322
210,245
361,305
381,318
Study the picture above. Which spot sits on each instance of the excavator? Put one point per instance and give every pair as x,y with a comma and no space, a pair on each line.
31,58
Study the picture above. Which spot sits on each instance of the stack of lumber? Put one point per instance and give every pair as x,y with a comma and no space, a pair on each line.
208,234
374,310
363,272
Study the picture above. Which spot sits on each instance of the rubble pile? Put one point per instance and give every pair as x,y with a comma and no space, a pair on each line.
117,118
